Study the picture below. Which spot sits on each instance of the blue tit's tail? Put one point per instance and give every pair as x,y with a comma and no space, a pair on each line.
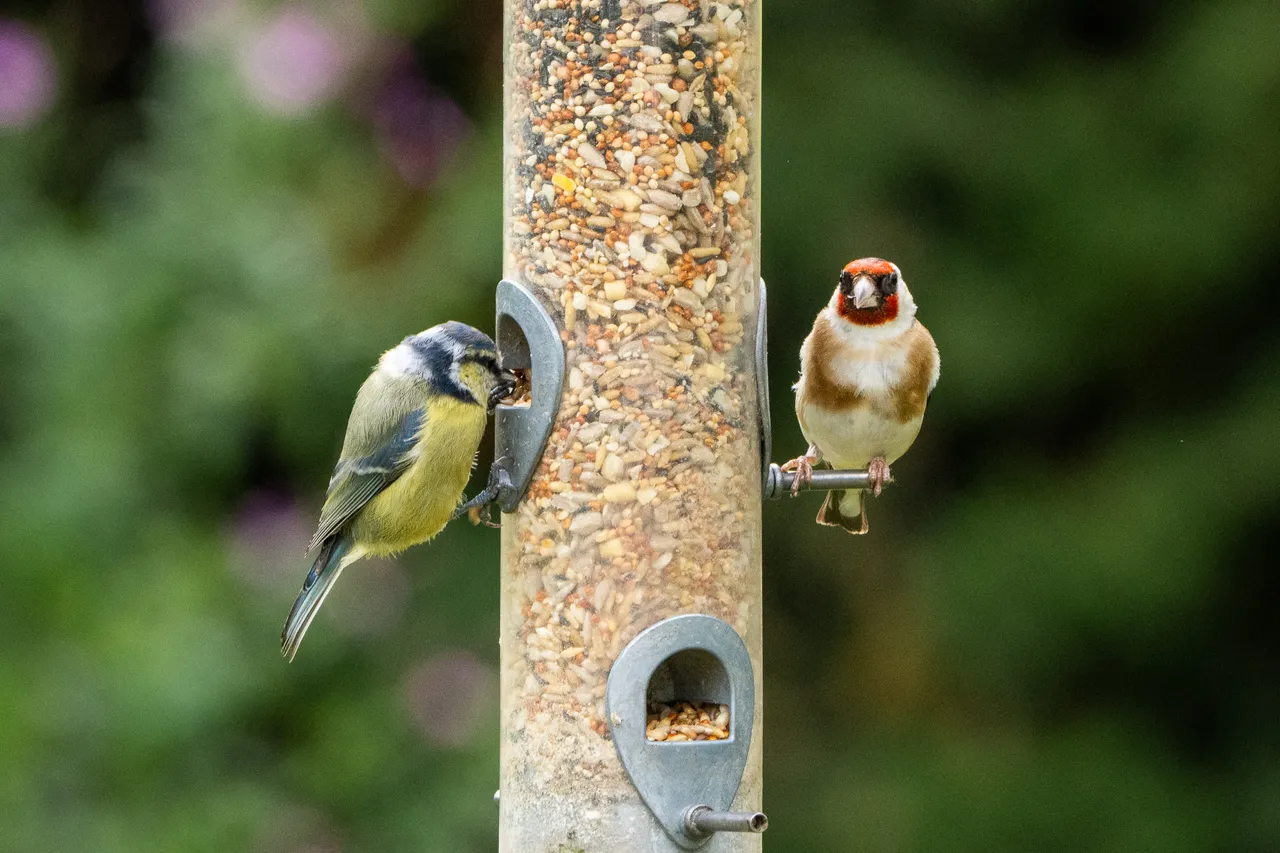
334,555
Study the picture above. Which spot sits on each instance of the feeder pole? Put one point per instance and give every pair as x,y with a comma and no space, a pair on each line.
631,214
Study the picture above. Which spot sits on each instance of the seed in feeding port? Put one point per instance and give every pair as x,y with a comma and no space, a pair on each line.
684,721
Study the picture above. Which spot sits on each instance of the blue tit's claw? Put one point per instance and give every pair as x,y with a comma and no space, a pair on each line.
499,479
482,499
500,474
484,515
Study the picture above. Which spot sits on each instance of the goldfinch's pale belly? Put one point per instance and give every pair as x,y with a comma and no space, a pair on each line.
850,438
421,501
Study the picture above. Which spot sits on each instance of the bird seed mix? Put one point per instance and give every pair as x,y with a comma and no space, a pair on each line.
631,212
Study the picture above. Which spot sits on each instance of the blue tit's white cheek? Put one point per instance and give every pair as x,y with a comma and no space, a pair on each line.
400,361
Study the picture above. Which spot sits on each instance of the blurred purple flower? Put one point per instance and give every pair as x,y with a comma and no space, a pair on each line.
296,828
375,600
28,76
447,695
419,127
192,22
268,536
293,63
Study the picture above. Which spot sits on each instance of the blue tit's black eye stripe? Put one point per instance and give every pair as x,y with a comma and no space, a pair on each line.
440,361
437,357
445,348
485,360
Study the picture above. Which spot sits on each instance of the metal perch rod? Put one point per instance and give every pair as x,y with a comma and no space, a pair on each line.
703,821
779,482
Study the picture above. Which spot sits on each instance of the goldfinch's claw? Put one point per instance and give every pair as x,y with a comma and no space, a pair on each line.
878,474
803,466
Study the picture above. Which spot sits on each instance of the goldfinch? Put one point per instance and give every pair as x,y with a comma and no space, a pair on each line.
411,439
867,370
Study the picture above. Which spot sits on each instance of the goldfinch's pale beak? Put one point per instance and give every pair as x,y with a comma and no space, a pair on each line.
864,293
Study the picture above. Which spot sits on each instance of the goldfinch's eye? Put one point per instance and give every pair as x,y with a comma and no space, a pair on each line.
889,283
846,279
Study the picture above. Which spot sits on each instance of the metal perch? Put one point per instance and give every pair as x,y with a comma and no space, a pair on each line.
778,482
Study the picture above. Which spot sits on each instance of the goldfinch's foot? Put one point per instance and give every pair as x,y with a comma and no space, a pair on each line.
878,474
803,466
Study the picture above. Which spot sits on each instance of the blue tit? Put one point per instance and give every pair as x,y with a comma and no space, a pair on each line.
411,440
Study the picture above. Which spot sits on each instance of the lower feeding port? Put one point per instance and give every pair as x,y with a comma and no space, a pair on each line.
704,821
681,700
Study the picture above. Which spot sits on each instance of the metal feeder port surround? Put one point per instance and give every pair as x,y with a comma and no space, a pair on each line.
527,339
689,786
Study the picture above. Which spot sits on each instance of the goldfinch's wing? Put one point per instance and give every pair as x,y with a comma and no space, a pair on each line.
371,461
926,351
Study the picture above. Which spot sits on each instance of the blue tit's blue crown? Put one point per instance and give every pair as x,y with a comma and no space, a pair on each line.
469,337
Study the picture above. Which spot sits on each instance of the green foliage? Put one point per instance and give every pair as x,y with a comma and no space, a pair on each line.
1058,635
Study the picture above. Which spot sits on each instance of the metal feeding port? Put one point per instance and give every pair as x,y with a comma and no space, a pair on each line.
529,340
689,784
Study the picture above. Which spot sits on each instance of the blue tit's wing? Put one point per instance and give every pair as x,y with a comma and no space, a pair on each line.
388,453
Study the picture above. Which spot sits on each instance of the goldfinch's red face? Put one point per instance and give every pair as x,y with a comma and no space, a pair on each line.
868,292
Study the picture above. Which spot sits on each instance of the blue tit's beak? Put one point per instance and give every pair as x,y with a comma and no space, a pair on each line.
507,381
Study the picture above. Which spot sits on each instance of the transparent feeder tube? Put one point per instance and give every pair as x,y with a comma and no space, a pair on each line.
631,181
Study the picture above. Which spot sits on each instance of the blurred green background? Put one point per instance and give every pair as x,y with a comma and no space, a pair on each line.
1061,632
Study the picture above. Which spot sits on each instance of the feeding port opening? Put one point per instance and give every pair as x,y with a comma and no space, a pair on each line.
528,344
689,698
514,347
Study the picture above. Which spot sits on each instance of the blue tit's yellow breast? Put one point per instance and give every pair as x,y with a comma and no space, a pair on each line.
418,505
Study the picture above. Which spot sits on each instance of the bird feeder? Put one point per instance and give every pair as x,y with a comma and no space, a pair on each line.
631,602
